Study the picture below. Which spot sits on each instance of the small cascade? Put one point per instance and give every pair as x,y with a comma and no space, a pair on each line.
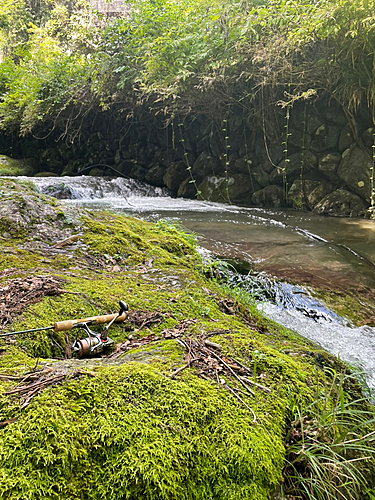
356,346
91,188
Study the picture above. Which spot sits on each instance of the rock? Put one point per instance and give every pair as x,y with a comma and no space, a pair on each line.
318,194
368,137
206,165
12,167
138,172
354,170
117,158
270,196
60,191
237,189
216,145
299,137
345,139
299,192
241,166
314,122
175,175
326,137
46,174
164,158
96,172
25,212
328,166
187,189
155,175
342,203
293,167
259,175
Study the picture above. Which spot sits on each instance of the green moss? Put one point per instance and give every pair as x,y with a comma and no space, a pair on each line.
131,431
12,167
134,433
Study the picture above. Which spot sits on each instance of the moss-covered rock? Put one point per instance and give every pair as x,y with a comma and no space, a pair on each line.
12,167
124,428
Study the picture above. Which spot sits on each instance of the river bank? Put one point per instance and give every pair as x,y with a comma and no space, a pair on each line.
151,421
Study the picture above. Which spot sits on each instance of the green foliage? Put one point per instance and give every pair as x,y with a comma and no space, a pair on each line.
167,49
326,444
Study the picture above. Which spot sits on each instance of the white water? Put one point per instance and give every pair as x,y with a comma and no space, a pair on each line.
270,240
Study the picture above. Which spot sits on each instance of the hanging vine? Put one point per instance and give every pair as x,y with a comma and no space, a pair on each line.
227,146
187,162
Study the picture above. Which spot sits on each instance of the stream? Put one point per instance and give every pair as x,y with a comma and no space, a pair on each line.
312,274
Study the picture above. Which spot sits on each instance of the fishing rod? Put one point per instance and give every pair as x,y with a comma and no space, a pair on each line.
95,342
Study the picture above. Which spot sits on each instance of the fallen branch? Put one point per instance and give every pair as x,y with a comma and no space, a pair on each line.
7,422
232,372
172,375
241,400
249,381
42,383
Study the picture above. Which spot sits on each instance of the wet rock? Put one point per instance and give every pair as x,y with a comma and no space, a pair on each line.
326,137
328,165
355,170
341,202
155,175
175,175
60,191
12,167
270,196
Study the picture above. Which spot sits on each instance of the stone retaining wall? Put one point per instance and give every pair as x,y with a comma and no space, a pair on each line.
315,157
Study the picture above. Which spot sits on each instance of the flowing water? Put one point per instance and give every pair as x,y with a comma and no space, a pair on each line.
296,257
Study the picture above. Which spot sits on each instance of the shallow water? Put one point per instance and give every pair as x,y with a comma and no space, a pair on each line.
295,247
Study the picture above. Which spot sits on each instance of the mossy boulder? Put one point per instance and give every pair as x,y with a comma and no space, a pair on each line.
12,167
131,427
